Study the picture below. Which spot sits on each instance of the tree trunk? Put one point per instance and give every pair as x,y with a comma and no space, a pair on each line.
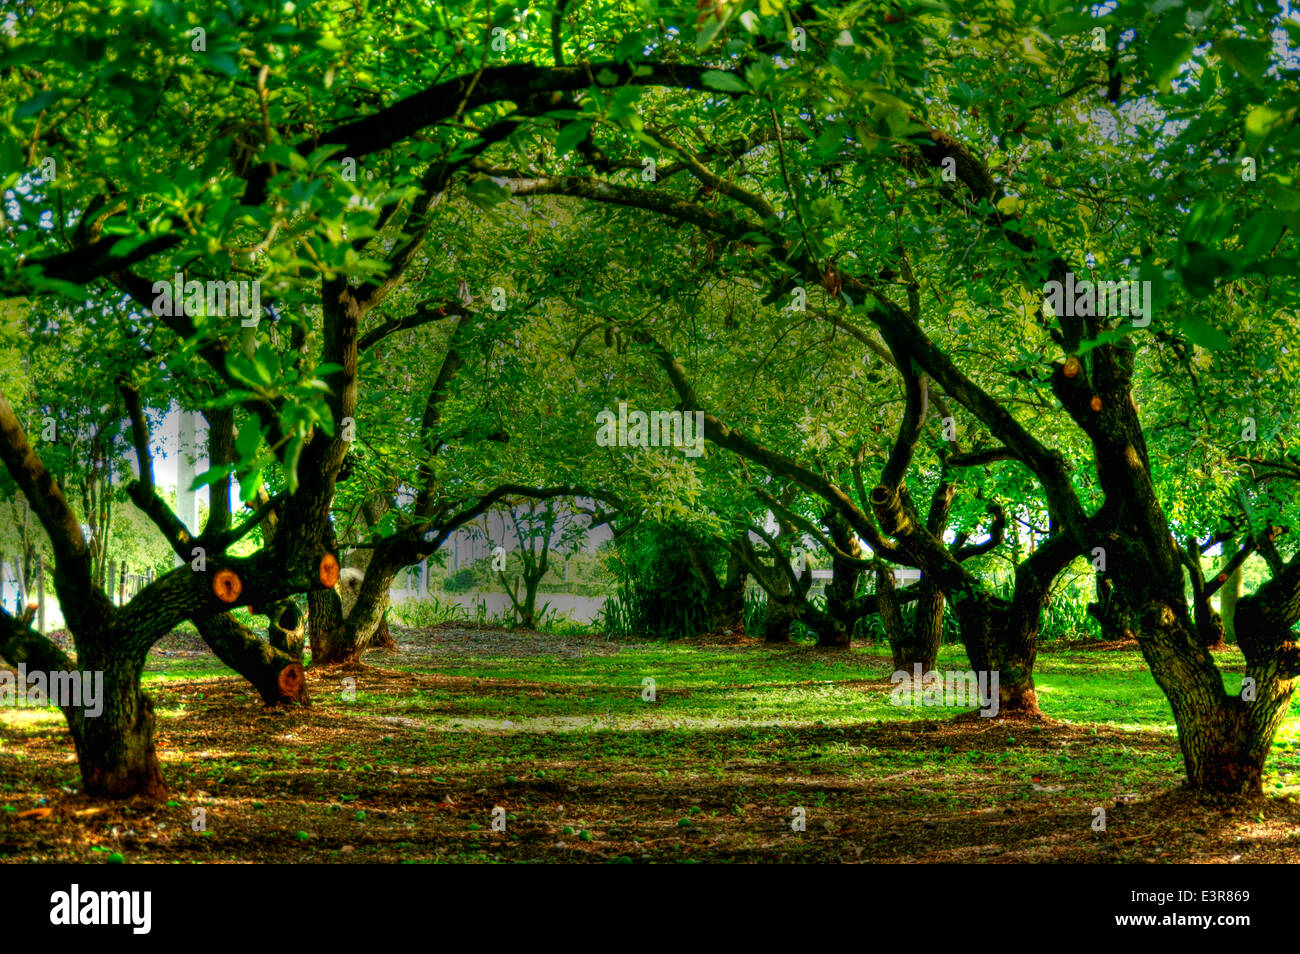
927,630
360,560
776,628
1224,748
1225,739
729,612
906,645
336,639
115,749
842,590
285,628
383,638
1229,595
528,611
1209,625
833,634
725,604
1002,638
1013,654
326,630
1104,611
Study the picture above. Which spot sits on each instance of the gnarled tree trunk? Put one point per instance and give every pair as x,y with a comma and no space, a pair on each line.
917,645
272,666
115,749
726,598
337,639
1002,638
776,628
906,653
1225,739
842,607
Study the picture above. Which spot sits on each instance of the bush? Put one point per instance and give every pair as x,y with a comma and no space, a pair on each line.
755,614
1067,617
430,611
658,596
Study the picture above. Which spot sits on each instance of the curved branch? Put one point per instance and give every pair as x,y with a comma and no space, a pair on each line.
512,82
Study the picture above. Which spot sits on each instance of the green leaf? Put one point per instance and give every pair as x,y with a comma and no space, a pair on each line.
247,372
211,476
724,82
1261,233
1202,334
230,398
1109,336
224,63
1260,121
570,136
292,453
485,193
1247,57
37,103
1072,23
713,27
249,485
1166,56
250,437
267,363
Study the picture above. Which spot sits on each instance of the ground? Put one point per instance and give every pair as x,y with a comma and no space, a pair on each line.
406,757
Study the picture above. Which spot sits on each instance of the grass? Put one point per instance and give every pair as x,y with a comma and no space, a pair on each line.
408,761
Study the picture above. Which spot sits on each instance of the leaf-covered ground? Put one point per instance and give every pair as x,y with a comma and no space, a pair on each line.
408,757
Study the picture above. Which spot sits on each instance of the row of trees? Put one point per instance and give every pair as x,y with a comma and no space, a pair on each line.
830,231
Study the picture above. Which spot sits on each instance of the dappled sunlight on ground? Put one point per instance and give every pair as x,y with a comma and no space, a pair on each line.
741,743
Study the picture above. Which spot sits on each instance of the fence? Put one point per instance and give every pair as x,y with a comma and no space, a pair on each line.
120,584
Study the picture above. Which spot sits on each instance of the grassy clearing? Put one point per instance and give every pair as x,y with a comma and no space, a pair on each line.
407,757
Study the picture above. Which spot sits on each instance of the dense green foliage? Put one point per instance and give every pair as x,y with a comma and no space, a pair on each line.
835,246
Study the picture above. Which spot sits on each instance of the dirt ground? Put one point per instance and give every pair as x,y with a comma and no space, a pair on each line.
391,780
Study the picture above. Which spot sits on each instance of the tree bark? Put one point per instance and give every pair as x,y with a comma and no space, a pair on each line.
337,639
832,634
1225,739
1002,637
776,628
1109,620
726,598
273,668
1229,596
115,750
1209,626
372,511
905,654
927,628
730,607
842,608
526,608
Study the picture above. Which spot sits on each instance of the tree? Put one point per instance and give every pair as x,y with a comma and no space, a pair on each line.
915,195
539,527
1224,738
115,749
